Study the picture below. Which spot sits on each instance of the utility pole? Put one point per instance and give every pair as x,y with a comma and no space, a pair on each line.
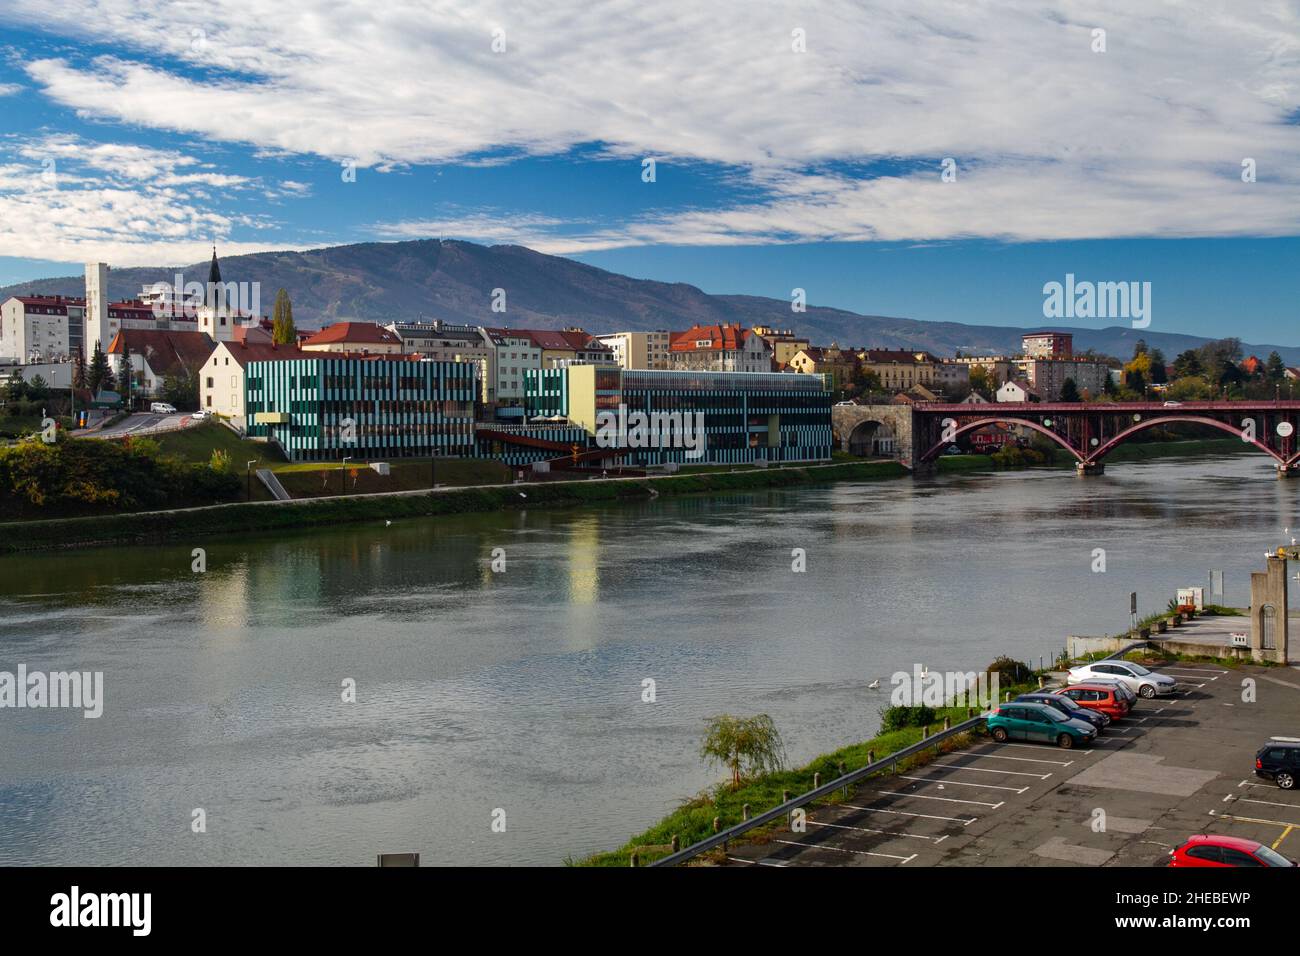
248,479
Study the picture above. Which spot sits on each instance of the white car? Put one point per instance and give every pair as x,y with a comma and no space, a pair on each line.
199,416
1135,677
162,408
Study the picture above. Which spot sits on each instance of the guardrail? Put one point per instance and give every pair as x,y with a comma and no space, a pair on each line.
784,809
1124,650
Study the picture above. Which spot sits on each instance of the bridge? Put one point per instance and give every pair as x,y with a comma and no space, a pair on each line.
917,434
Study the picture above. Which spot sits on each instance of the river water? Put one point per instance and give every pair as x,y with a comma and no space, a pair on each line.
520,691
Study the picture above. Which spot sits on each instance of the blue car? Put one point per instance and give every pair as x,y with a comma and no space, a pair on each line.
1067,707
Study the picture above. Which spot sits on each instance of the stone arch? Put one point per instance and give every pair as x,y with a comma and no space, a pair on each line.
871,438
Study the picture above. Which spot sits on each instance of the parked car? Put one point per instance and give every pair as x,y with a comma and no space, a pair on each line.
200,415
1137,678
1279,761
1100,698
1068,706
1211,850
1173,405
1124,692
1033,721
162,408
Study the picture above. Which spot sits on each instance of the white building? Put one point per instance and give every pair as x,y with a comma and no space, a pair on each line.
515,354
1017,392
41,328
639,350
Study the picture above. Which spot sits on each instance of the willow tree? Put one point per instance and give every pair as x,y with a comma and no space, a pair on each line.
282,330
747,746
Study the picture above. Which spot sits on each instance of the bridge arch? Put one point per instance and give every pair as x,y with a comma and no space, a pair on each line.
1108,446
933,452
871,438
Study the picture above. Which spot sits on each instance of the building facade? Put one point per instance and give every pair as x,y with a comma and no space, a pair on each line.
639,350
328,406
41,328
450,342
515,354
718,348
1047,345
1048,376
745,416
899,369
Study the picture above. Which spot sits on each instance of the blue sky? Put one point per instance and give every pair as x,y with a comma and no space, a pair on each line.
792,148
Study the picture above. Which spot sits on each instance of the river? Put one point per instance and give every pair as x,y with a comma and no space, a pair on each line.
520,690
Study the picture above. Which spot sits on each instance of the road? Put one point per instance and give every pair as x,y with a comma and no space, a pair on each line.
1179,765
141,423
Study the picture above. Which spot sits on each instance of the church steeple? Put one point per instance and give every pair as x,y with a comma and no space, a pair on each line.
214,271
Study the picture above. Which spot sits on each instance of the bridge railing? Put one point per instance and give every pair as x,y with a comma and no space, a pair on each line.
817,793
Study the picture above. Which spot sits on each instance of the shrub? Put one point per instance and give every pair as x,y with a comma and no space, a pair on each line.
896,718
1010,671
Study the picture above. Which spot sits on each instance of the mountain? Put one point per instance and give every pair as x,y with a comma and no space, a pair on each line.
453,280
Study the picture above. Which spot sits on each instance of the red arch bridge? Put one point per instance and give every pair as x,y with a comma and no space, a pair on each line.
1089,431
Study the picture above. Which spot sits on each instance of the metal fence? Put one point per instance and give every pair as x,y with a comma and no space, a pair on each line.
825,790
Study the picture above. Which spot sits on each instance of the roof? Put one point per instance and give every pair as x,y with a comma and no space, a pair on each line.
164,350
729,337
55,301
568,340
354,333
245,351
897,355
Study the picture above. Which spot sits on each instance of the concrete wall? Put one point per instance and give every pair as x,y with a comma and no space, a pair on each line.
1268,590
897,418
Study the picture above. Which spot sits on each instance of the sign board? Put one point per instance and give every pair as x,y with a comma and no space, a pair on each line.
1194,597
1240,639
1216,583
1285,429
541,467
1132,602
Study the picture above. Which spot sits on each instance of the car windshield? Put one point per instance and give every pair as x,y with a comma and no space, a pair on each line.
1054,714
1272,857
1069,703
1139,670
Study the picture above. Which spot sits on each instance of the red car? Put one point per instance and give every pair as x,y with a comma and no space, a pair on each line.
1211,850
1099,697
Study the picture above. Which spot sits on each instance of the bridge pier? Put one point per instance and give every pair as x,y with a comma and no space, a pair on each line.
1284,472
1085,468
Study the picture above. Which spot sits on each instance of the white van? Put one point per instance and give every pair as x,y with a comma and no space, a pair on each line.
162,408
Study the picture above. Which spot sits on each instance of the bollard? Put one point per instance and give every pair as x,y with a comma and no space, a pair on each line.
717,824
947,723
744,812
871,756
1041,681
817,780
677,843
970,712
636,858
925,731
785,796
841,768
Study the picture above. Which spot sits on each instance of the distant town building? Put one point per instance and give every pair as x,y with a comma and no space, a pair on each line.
951,376
783,343
832,361
900,369
570,346
719,348
639,350
747,416
325,406
364,337
1047,376
1018,392
450,342
515,353
157,354
41,328
1047,345
221,382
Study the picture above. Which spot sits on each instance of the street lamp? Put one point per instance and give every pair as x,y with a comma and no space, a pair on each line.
343,480
248,475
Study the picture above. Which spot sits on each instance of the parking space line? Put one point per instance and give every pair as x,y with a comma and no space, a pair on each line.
1183,674
1039,747
741,859
1268,803
963,821
1285,833
1252,783
958,783
845,826
947,800
986,753
839,849
1011,773
1275,823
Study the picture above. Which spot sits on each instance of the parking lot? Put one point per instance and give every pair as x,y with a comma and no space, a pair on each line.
1178,765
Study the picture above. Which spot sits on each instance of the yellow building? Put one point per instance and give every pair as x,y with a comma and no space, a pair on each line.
898,369
833,361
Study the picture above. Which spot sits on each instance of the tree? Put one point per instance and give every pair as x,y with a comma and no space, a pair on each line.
1158,374
78,370
282,330
124,372
180,387
37,389
1069,391
16,387
1188,364
1137,373
100,376
981,381
1276,369
747,746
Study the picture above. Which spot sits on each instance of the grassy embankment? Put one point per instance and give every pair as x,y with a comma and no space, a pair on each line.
152,527
693,820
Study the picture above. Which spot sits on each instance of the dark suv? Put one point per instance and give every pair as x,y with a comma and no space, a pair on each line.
1279,761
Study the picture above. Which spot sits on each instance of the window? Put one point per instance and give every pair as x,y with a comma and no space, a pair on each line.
1208,853
1237,858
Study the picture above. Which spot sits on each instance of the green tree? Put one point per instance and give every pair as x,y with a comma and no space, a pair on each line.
38,389
1276,368
15,388
124,375
78,370
1190,388
1070,391
1188,364
747,746
180,387
282,330
1158,374
99,376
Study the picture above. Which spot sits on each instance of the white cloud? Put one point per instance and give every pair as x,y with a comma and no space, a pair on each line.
1052,139
10,89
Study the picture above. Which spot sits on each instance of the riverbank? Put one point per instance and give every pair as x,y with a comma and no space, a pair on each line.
157,526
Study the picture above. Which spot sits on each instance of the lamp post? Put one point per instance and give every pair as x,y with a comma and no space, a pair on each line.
248,479
343,481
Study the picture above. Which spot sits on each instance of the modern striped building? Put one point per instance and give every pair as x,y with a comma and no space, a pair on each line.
747,416
326,407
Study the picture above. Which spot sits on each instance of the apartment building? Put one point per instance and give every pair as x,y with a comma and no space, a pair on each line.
639,350
718,348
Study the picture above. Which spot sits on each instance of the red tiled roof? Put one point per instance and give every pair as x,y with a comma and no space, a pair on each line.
164,350
354,333
723,338
50,300
567,340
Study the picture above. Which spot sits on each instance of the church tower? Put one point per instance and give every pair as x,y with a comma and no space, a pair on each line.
215,315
